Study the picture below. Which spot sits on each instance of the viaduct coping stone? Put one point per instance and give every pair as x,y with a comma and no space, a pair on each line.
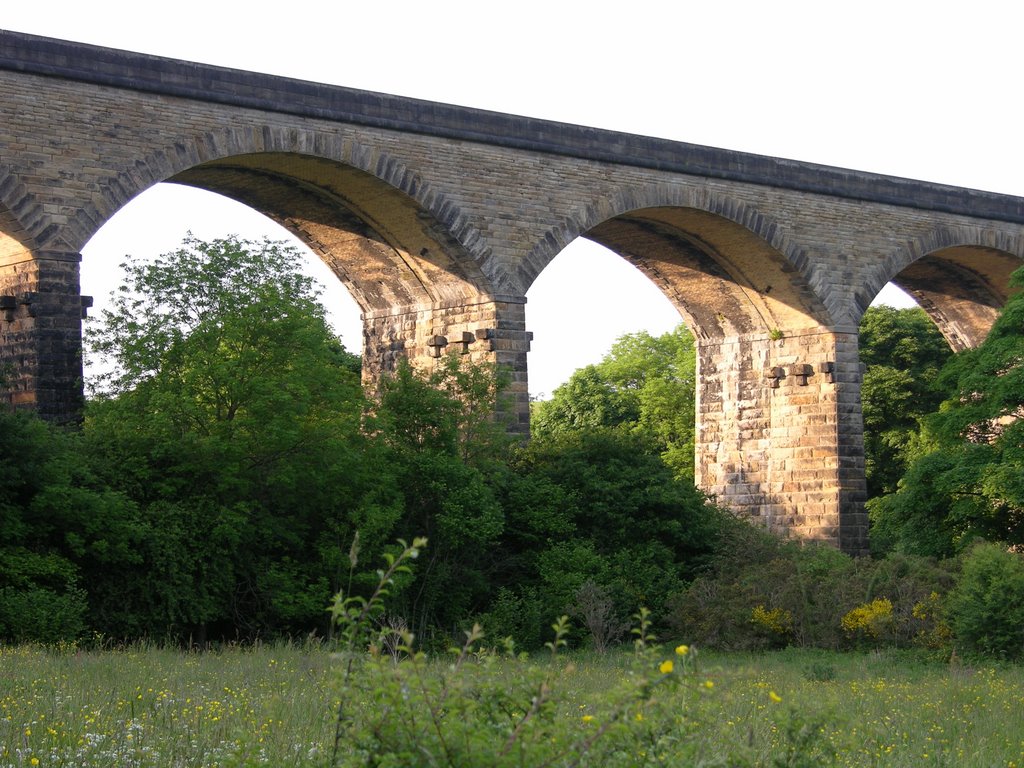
37,55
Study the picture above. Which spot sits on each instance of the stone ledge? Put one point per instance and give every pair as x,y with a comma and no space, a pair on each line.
32,54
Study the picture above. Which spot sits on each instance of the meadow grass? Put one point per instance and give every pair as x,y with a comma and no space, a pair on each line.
273,705
149,706
864,709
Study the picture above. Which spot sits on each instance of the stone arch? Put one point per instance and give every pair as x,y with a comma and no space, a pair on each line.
17,248
22,222
429,254
777,434
727,267
38,278
960,276
13,239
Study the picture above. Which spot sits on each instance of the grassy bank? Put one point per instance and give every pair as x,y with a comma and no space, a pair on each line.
274,706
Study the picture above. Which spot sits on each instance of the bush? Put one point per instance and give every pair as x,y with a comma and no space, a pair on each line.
517,613
39,598
764,592
48,508
602,507
986,608
873,620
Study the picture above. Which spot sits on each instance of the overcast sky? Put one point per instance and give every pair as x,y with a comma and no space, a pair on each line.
924,90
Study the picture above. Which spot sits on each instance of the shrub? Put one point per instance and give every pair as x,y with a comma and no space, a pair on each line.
516,612
986,608
766,592
40,600
933,630
776,622
599,506
873,620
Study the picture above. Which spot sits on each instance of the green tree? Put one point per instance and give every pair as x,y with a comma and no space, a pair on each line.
231,417
40,595
598,505
986,609
969,479
53,513
903,353
644,385
448,452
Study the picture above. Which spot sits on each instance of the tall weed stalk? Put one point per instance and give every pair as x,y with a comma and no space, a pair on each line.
485,704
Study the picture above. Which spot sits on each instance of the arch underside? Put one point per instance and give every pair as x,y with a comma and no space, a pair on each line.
13,238
724,279
962,289
384,248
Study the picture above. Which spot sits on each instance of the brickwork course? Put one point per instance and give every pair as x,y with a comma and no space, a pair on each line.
439,218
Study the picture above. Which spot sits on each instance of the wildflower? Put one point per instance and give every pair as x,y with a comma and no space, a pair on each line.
682,650
779,621
587,718
871,619
774,696
709,684
666,667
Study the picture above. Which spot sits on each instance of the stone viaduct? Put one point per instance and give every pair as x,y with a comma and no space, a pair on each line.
438,218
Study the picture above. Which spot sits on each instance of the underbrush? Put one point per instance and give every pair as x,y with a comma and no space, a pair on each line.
276,706
370,697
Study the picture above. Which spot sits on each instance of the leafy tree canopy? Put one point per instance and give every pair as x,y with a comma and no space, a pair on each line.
903,352
40,494
231,417
448,453
644,385
597,506
969,480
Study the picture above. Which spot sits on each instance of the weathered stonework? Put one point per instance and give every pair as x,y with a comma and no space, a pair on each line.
486,332
41,314
439,218
780,433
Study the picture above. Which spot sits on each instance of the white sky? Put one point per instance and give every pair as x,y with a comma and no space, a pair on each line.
926,90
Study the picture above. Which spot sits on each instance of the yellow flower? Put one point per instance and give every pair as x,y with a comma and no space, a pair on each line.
34,761
587,718
709,684
666,667
682,650
774,696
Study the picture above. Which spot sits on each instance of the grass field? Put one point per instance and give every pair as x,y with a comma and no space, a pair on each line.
274,706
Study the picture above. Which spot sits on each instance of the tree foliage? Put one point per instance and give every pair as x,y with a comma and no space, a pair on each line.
969,479
903,353
228,458
231,420
598,506
234,457
644,385
41,594
447,452
986,609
